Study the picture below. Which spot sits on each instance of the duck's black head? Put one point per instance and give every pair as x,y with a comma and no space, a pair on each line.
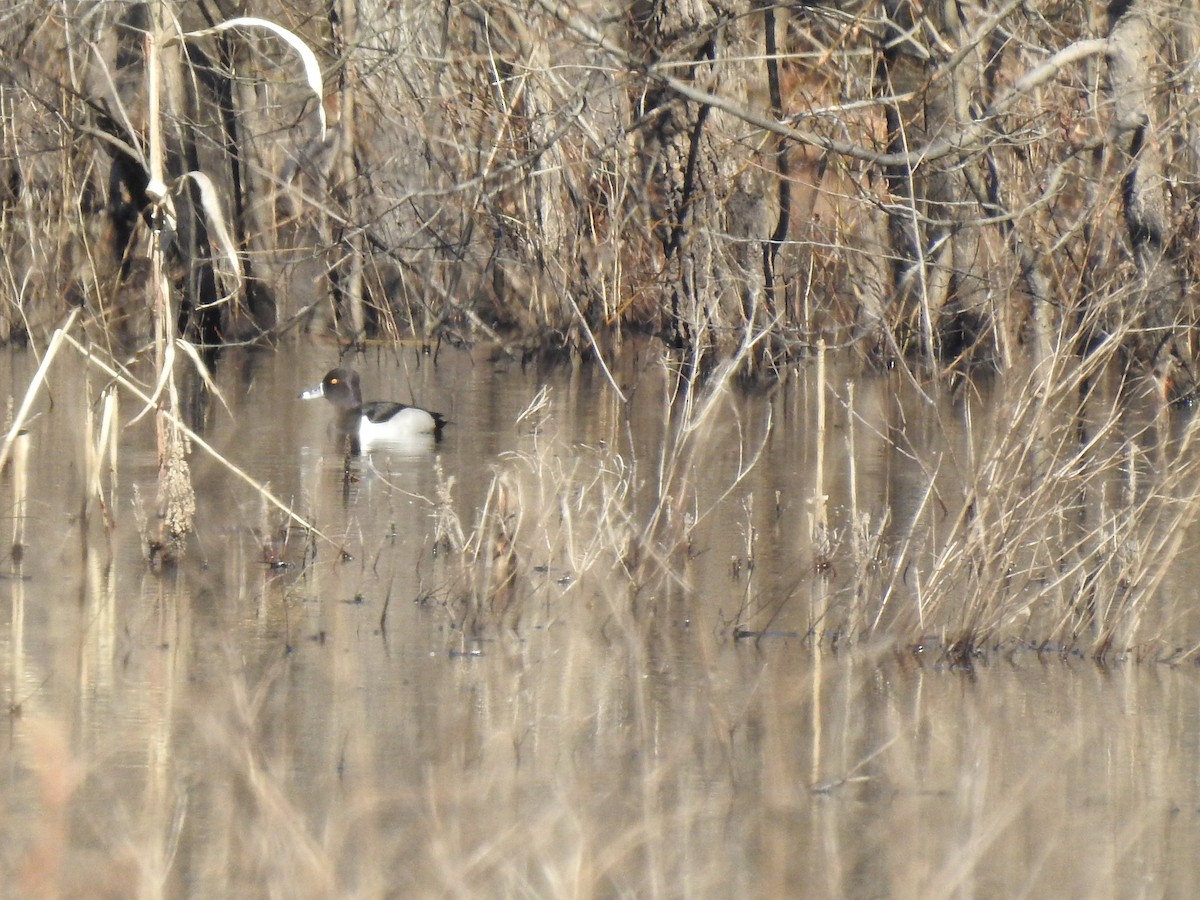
340,387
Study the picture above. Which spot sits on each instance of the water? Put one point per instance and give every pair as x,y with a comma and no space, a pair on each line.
357,717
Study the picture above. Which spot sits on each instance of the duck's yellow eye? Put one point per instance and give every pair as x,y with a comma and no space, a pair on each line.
333,381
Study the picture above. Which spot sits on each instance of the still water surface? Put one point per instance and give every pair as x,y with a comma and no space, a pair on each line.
277,717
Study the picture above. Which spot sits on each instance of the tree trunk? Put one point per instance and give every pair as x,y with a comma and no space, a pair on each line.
937,266
1135,27
711,223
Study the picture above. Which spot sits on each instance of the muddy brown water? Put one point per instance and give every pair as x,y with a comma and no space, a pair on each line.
275,718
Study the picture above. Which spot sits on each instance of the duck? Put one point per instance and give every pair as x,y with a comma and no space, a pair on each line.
377,422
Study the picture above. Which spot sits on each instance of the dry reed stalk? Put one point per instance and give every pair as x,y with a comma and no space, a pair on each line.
501,554
864,544
91,466
747,561
175,422
489,558
559,510
177,497
856,545
99,447
692,412
34,385
819,527
20,490
447,529
109,419
1073,510
163,71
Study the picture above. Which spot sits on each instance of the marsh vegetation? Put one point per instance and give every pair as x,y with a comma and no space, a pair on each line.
563,655
819,497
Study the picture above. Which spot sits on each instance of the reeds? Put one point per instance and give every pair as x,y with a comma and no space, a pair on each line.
175,504
19,466
100,457
1050,521
1051,505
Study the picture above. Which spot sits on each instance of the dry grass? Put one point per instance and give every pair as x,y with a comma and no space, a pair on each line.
1049,507
563,712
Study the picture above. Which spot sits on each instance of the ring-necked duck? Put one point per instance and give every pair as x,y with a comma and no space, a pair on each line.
377,422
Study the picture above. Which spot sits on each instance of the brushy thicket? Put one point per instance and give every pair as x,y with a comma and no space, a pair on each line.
538,173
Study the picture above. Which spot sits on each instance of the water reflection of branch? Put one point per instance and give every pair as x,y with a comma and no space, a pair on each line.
825,787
